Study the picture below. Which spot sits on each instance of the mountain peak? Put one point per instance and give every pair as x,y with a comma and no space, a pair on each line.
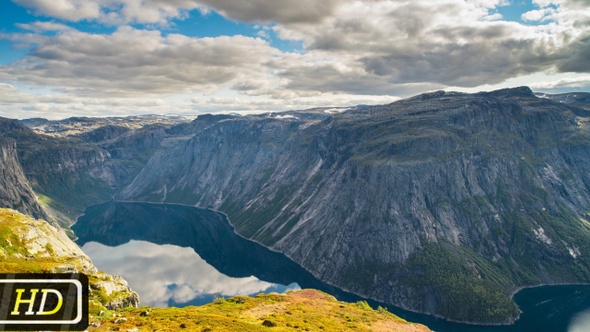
521,91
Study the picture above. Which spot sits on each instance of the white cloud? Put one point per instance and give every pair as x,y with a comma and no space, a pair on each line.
120,12
429,43
40,26
72,10
111,11
577,83
356,51
539,15
163,272
232,102
132,62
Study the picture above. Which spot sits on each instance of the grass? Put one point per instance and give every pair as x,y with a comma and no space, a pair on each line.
10,241
304,310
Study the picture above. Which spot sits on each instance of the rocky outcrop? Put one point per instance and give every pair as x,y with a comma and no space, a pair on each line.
32,245
116,292
443,203
29,238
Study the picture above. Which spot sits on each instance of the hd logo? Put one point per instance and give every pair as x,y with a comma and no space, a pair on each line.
54,302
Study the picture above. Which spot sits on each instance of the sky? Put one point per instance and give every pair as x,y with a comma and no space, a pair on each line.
62,58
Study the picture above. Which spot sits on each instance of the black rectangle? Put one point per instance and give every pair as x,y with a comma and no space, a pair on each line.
51,302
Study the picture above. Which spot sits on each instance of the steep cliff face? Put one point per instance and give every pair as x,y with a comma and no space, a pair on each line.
15,190
443,203
77,162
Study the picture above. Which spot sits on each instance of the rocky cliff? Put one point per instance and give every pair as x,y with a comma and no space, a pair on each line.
443,203
76,162
15,190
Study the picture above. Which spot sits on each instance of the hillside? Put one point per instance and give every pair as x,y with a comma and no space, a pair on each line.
29,245
77,162
304,310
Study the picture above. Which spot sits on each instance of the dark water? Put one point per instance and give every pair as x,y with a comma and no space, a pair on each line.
176,255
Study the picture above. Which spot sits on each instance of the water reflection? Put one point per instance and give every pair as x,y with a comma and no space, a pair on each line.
206,239
171,244
580,322
167,275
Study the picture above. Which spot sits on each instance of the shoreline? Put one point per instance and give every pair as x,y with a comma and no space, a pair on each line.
512,293
518,289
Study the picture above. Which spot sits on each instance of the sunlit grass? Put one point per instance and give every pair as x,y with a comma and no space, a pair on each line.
305,310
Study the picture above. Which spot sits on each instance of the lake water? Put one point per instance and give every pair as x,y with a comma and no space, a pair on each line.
176,255
169,275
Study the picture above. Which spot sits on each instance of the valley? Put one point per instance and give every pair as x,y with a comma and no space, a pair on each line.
444,203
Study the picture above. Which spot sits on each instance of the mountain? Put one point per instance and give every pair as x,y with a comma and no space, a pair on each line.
576,99
73,163
444,203
77,126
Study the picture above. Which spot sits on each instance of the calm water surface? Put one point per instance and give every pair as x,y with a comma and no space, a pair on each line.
169,275
176,255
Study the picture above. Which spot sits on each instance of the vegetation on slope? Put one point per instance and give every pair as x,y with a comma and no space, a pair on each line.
28,245
464,294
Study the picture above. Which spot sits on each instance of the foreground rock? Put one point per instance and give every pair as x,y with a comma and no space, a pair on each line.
31,245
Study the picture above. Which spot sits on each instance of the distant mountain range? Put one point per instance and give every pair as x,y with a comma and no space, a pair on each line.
444,203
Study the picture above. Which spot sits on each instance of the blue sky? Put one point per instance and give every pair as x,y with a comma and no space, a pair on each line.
515,9
197,24
118,57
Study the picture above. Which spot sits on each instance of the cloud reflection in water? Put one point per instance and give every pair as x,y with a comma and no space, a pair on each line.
580,322
167,274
